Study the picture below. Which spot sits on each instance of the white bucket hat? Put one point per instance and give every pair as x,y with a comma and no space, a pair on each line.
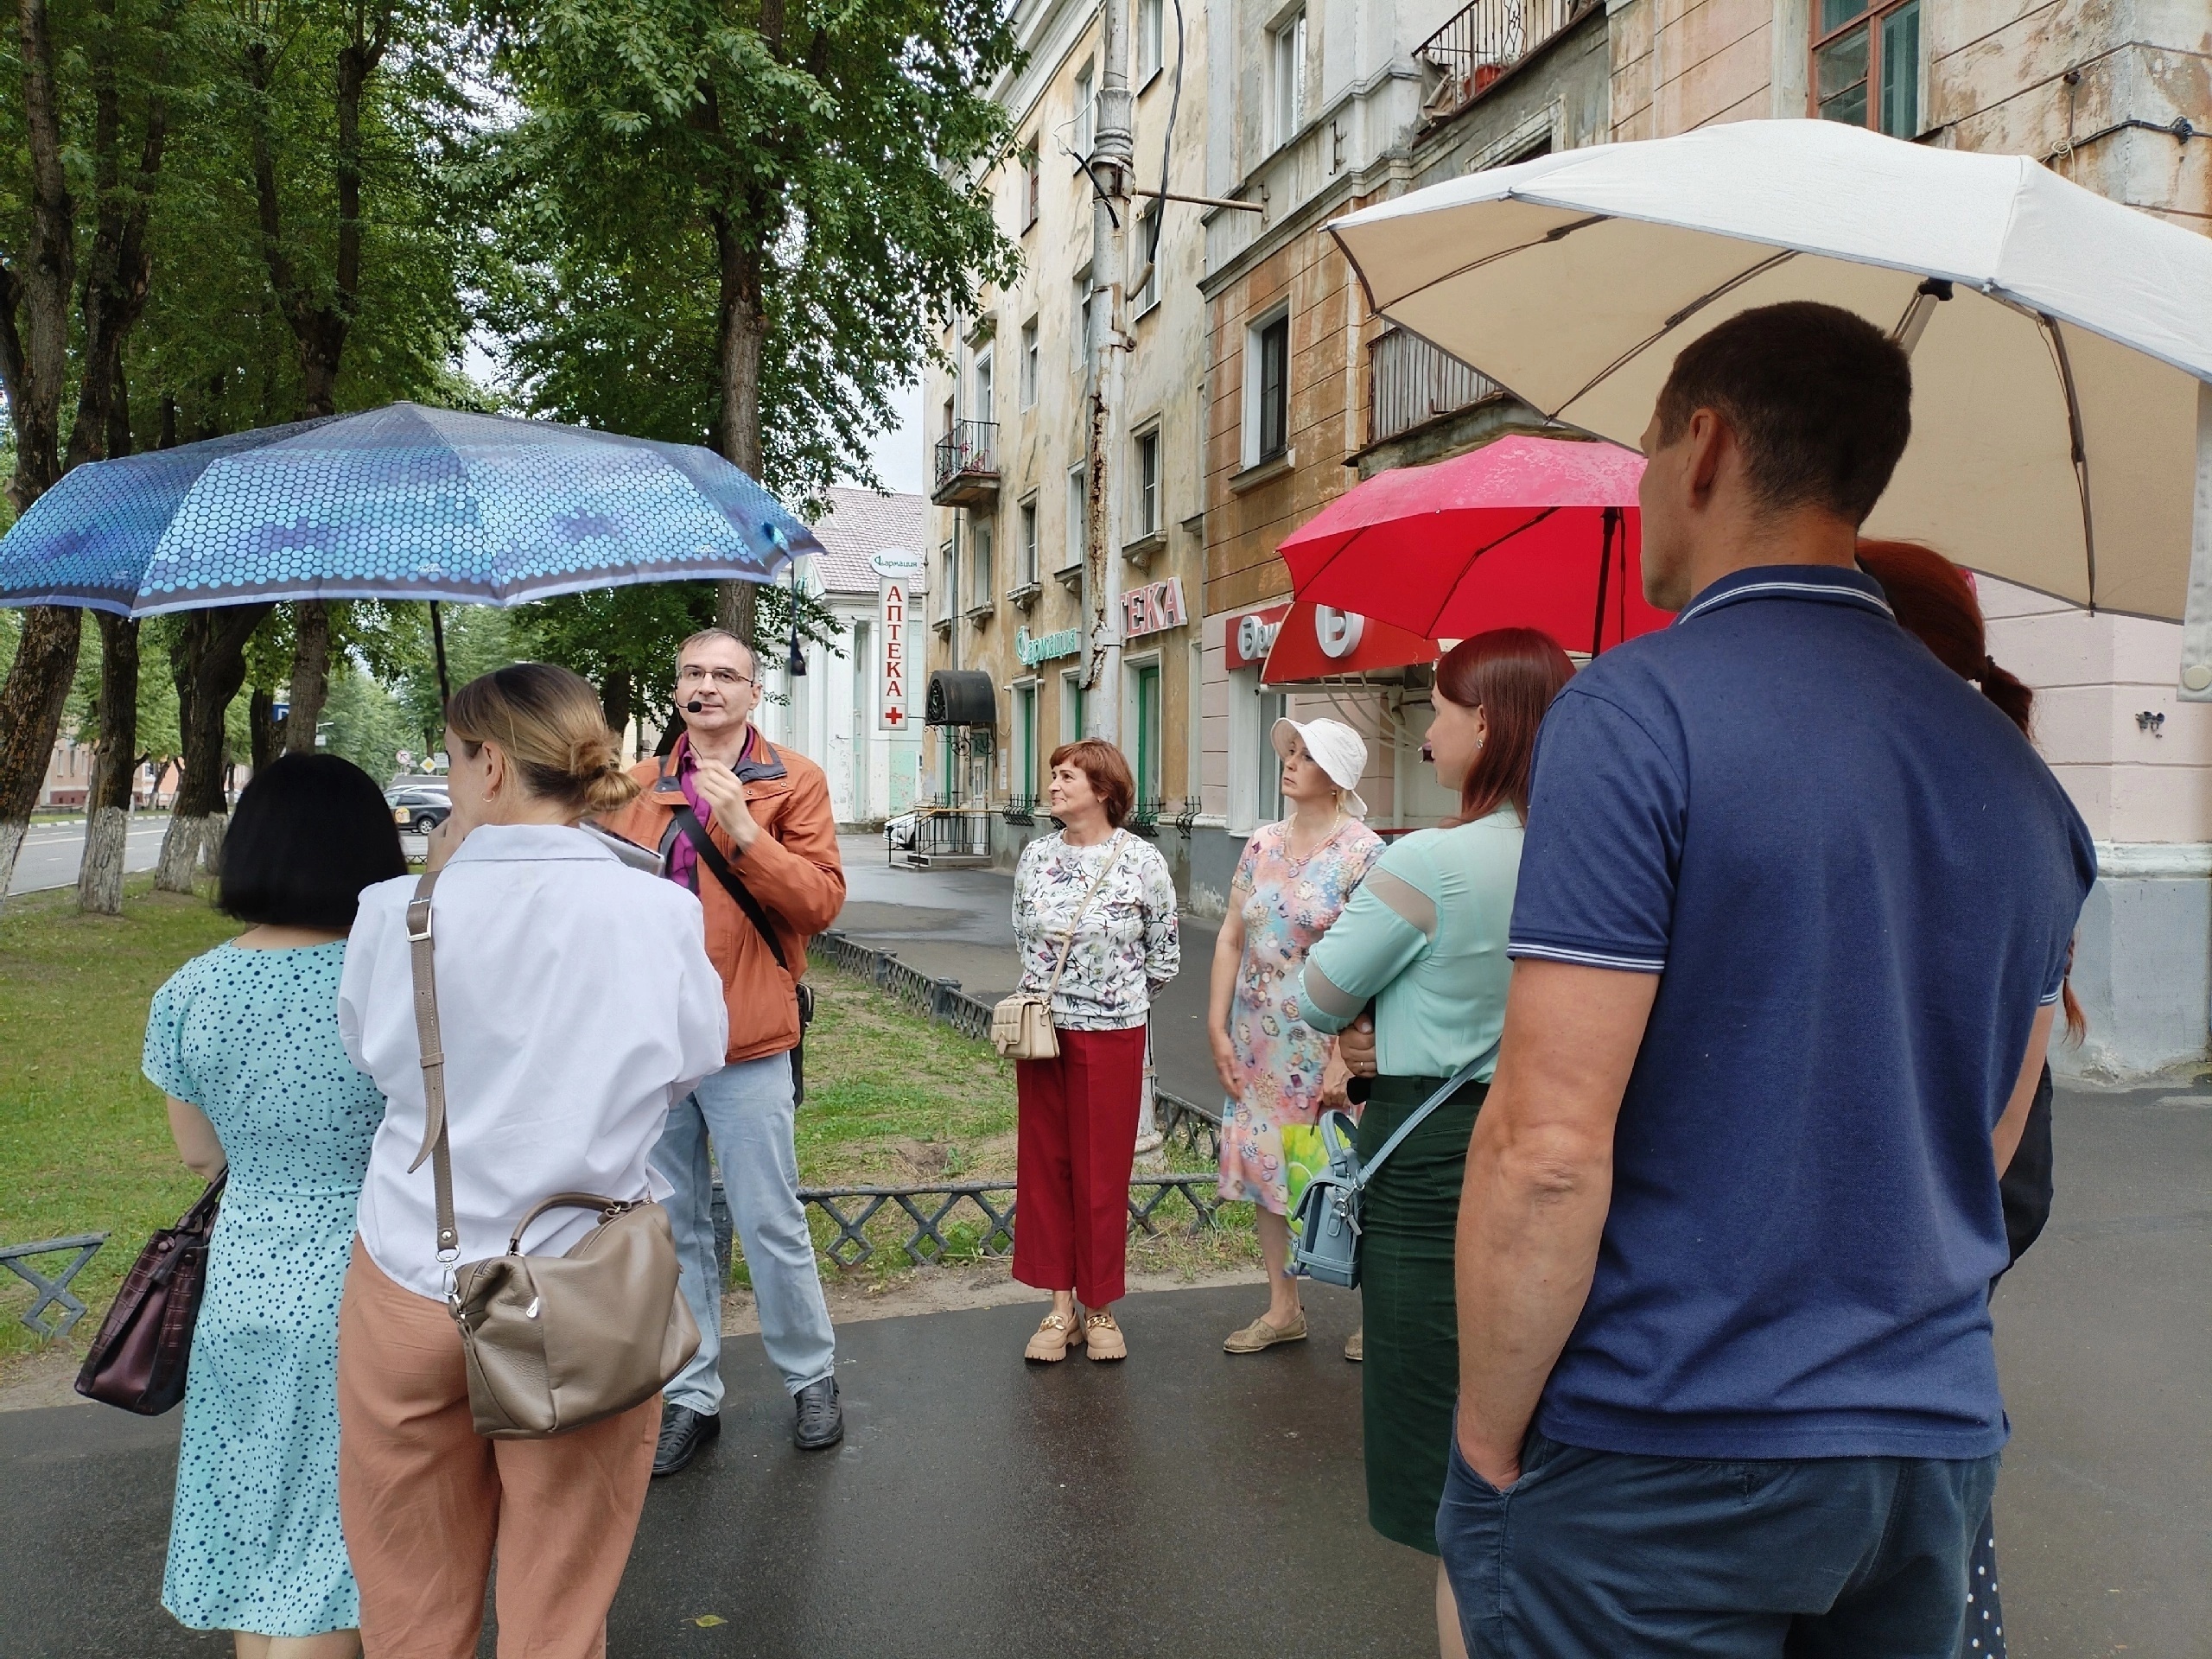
1336,748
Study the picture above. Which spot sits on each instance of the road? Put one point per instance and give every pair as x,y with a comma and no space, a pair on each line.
55,846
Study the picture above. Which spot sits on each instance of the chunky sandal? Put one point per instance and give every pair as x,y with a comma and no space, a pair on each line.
1103,1337
1055,1334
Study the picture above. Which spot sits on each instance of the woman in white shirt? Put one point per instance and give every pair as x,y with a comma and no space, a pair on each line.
575,1002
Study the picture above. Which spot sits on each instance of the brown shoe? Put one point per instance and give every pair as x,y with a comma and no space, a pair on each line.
1103,1337
1260,1335
1055,1334
1355,1350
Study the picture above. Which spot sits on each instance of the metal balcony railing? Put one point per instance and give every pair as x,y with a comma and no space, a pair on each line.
967,464
1410,382
1461,60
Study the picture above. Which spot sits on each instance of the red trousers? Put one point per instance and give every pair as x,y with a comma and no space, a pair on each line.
1076,1140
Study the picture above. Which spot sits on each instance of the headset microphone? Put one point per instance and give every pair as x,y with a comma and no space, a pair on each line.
694,707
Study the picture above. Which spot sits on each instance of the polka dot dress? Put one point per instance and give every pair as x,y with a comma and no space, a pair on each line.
1984,1631
250,1038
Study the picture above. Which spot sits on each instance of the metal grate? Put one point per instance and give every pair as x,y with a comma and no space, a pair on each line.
1463,60
53,1291
1409,382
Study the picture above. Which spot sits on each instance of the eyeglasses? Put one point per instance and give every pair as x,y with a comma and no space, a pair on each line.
692,674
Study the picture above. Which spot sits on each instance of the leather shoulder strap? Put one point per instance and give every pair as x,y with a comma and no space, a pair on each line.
711,857
1075,924
423,965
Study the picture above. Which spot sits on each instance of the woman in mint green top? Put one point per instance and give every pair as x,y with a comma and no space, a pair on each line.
1423,941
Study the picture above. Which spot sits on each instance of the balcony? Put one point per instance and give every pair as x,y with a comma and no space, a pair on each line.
967,472
1410,383
1463,60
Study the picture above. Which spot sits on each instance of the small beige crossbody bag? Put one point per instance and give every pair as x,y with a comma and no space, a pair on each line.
1021,1026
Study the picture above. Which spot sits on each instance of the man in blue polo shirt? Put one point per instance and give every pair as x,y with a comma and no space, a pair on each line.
1793,912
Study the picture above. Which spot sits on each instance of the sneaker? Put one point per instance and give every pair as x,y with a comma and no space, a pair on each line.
821,1420
1259,1336
683,1433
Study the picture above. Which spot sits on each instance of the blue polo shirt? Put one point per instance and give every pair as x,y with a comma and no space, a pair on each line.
1856,881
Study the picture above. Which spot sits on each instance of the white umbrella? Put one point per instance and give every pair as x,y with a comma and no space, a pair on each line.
2062,425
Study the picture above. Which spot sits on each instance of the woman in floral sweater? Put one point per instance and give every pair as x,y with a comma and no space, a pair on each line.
1101,897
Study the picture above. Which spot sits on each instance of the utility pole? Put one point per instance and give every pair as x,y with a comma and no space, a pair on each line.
1111,164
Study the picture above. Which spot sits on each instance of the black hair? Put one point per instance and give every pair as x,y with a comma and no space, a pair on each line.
1819,398
310,831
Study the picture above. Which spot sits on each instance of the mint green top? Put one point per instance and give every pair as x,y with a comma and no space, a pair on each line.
1424,939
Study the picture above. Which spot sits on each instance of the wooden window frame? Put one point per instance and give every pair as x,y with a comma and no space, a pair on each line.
1871,20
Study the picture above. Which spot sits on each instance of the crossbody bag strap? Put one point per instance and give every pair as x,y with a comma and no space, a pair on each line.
1453,1085
711,857
424,968
1075,923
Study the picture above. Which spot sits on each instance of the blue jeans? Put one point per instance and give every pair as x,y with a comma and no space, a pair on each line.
1595,1555
746,1109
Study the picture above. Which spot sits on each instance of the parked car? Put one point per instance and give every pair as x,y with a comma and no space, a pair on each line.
419,807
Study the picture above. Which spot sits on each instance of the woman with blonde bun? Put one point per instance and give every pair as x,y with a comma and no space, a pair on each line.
575,1002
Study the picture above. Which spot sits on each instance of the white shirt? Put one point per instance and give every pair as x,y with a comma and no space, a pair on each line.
575,1003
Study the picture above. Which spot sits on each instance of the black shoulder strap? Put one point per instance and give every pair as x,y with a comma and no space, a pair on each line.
711,857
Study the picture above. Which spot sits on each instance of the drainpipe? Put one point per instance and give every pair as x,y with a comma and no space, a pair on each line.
2196,627
1111,161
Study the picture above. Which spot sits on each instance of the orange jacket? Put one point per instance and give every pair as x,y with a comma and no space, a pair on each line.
793,869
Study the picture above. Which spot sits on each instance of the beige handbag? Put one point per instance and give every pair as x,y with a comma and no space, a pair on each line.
552,1343
1021,1025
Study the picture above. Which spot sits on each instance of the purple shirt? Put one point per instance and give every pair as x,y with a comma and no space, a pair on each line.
683,860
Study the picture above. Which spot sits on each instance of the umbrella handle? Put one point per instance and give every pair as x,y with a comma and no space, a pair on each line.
1611,521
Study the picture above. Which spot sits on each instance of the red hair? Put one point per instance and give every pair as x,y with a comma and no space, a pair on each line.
1110,778
1935,602
1511,674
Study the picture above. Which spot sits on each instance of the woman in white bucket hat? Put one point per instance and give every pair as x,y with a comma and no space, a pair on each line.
1292,881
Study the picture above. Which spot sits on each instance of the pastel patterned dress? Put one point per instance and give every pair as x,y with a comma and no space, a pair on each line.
250,1038
1287,904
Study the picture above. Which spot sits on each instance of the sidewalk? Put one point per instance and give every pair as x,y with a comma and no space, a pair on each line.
959,925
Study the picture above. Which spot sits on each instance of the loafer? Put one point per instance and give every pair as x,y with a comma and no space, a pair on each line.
821,1420
1260,1335
684,1433
1355,1350
1056,1333
1102,1337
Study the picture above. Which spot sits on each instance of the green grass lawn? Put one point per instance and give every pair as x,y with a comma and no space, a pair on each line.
892,1099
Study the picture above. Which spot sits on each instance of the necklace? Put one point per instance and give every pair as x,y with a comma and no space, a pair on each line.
1327,836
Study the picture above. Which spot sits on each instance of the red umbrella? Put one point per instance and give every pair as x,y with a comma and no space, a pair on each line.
1524,532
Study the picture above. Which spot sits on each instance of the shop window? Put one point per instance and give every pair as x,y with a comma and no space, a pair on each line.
1867,65
1024,781
1270,795
1144,706
1072,699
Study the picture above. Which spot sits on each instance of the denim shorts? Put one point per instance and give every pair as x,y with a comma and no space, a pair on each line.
1597,1554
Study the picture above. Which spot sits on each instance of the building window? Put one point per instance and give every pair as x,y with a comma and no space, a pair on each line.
1270,779
979,405
1028,578
1146,481
948,573
1147,258
1083,125
1078,531
1867,65
1031,189
1267,389
1072,705
1081,330
1144,705
1024,742
979,564
1029,364
1152,31
951,415
1286,79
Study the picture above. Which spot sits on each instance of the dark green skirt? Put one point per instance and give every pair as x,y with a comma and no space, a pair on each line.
1410,1380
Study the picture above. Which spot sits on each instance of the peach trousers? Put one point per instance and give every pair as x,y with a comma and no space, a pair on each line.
425,1500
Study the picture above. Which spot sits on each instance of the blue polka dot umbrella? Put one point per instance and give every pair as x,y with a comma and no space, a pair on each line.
401,502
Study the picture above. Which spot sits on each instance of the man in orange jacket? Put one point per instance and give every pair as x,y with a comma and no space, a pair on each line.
749,827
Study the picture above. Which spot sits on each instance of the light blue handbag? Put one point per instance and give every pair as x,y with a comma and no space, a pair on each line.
1324,1237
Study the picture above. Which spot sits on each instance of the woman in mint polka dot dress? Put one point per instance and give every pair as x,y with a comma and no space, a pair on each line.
243,1041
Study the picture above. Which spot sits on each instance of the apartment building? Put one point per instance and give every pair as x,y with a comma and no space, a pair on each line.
1012,601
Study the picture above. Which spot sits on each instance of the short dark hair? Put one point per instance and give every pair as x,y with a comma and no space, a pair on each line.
310,831
1111,781
1819,398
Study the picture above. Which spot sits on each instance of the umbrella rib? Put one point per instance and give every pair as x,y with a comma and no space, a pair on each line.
1552,235
1671,324
2080,448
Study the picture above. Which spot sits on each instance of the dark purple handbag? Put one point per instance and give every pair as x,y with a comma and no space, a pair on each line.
138,1362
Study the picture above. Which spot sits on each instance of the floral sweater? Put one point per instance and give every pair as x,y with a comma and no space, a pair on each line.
1126,943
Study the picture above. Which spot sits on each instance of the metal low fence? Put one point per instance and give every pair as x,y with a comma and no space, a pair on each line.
51,1290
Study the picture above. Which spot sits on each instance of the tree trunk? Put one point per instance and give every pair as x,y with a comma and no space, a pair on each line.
30,715
614,699
310,675
208,660
107,805
741,335
265,731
